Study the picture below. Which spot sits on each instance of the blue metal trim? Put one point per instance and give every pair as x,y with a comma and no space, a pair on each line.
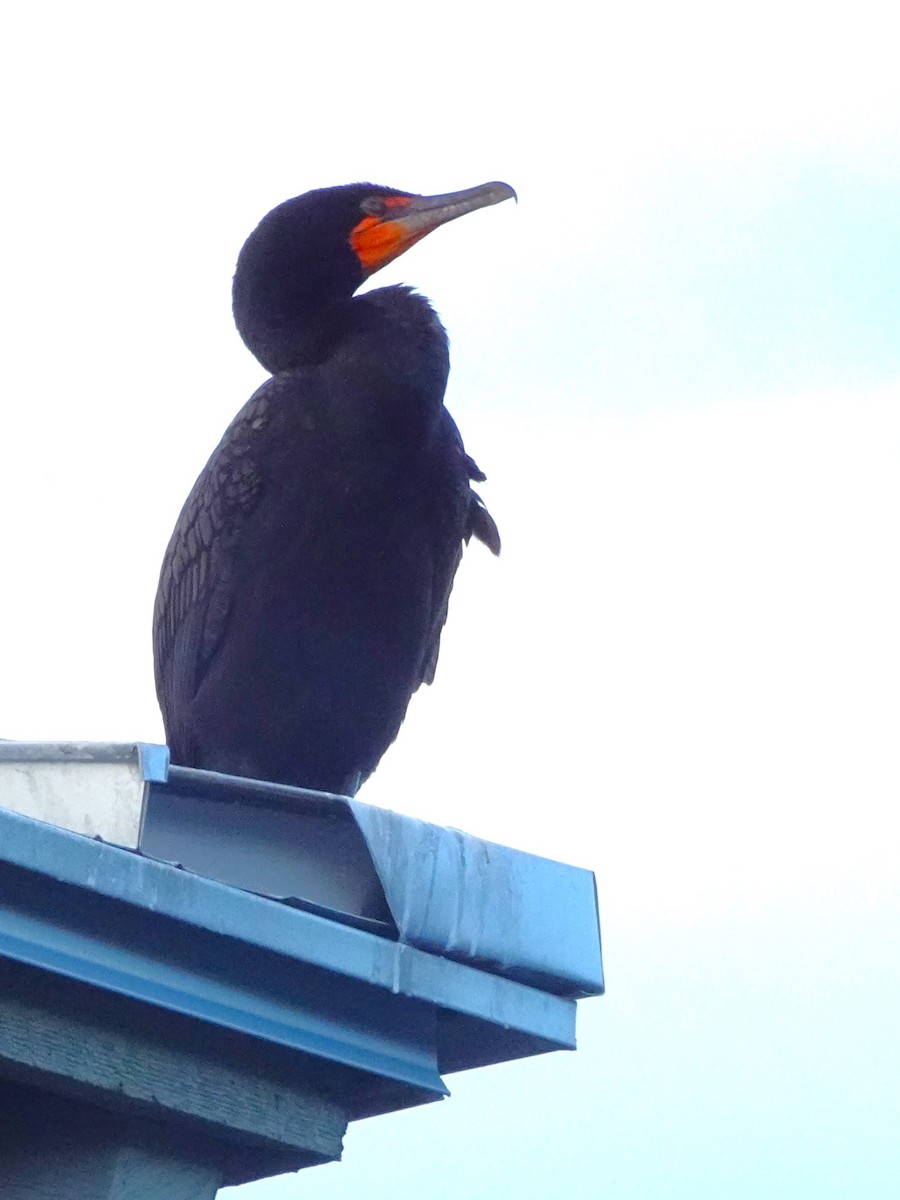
508,912
154,761
308,851
244,1011
503,911
122,876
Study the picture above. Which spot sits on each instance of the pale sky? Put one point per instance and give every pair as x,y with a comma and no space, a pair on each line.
678,360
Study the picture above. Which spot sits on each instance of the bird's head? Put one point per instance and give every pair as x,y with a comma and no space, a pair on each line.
314,251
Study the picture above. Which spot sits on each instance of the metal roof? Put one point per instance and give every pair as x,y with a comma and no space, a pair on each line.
393,949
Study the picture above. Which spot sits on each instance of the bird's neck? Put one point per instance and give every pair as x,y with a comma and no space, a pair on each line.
384,356
392,333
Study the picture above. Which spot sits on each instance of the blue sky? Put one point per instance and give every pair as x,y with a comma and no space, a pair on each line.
779,272
678,359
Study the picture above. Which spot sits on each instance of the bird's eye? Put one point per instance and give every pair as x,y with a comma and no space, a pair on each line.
382,206
374,206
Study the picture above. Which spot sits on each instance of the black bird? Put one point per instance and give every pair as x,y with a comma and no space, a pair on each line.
306,583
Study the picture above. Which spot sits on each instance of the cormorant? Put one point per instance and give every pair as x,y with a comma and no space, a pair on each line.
304,589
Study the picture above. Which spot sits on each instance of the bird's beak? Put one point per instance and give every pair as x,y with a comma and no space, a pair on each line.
394,223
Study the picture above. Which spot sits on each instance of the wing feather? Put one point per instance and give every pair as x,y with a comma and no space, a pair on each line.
194,596
470,519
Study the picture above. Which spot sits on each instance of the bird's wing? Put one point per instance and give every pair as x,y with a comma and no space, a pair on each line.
196,588
472,519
